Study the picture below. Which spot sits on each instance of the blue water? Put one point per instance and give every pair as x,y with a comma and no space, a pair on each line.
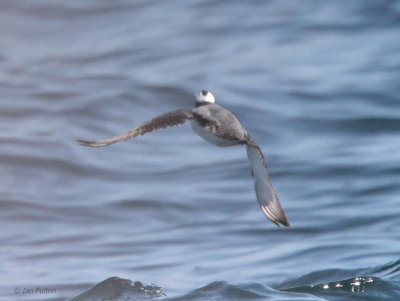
167,215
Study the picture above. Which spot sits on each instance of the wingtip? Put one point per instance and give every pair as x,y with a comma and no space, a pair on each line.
88,143
277,217
284,222
83,142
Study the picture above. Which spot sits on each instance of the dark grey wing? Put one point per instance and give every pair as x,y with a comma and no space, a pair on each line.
159,122
266,195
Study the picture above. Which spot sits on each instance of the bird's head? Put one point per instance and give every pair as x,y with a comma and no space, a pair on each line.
204,97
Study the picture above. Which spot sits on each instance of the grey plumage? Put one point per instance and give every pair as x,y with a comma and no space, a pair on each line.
160,122
220,127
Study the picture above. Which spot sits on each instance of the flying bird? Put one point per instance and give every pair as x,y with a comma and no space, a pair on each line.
220,127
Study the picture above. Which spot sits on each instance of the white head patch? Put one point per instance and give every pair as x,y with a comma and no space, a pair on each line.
205,96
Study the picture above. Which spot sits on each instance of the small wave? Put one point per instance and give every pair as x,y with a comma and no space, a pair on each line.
357,288
357,284
375,283
115,288
118,289
221,290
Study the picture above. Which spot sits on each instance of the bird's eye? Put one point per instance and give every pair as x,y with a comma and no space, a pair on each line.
204,92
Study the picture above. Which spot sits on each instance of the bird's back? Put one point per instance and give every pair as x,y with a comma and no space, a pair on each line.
221,122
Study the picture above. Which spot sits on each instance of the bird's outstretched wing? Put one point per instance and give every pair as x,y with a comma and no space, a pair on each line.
159,122
266,195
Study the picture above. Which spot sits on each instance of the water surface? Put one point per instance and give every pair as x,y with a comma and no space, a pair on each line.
168,215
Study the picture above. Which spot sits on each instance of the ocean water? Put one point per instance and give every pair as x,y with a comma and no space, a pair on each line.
168,216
